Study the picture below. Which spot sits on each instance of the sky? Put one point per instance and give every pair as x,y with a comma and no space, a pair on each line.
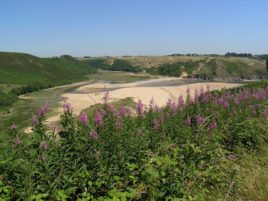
133,27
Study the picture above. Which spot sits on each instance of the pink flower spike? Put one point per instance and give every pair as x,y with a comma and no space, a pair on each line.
43,145
188,121
106,96
94,135
83,118
13,126
140,108
67,107
17,141
98,119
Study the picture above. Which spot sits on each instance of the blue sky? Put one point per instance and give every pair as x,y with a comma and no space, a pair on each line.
133,27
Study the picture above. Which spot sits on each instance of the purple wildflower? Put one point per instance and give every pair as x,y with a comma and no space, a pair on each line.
123,111
98,119
53,126
181,101
43,145
17,141
153,106
94,135
231,157
212,125
67,107
111,108
200,120
13,126
140,108
106,96
188,121
83,118
43,110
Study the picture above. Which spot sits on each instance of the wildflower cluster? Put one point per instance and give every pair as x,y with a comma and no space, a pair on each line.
154,153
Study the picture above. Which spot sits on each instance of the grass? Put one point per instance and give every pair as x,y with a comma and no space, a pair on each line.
119,77
116,104
19,68
253,177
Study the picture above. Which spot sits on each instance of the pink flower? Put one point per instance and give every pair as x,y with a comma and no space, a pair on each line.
17,141
43,110
67,107
53,126
94,135
123,111
181,101
200,120
153,106
43,145
106,96
188,121
111,108
231,157
83,118
212,125
98,119
140,108
13,126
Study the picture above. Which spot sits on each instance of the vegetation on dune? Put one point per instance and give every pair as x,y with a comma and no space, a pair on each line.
190,149
115,65
174,69
231,66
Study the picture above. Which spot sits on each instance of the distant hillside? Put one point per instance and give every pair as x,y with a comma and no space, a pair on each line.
19,68
207,67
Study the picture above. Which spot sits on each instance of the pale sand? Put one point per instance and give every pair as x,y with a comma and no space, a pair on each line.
145,94
82,100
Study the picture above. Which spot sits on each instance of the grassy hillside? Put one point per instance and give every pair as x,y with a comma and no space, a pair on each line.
209,67
19,68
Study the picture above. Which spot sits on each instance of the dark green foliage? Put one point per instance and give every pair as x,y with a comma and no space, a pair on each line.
116,65
7,99
233,54
174,69
18,68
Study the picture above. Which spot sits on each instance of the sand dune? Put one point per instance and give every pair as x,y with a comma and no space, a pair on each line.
92,93
145,94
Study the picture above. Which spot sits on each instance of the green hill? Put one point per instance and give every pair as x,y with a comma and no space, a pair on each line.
19,68
209,67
